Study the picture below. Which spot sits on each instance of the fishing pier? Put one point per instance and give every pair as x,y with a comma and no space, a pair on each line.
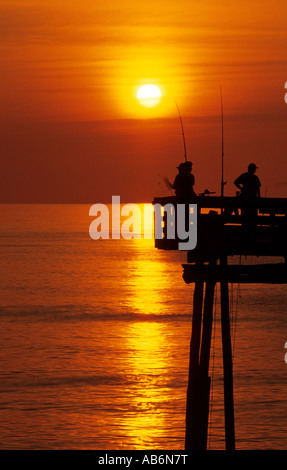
226,227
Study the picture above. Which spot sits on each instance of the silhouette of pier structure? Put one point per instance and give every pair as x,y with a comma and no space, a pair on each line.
223,232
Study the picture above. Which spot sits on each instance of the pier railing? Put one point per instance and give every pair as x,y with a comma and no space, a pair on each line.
233,226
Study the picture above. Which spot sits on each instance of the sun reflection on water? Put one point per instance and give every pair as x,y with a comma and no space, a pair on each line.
148,362
148,283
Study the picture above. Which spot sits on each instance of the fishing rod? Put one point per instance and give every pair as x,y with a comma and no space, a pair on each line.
185,158
222,147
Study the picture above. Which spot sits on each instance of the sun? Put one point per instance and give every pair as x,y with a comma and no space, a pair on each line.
149,95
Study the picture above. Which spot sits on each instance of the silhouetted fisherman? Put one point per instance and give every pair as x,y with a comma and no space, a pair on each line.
184,182
249,185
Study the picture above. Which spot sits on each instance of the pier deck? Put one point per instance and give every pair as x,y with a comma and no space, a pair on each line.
223,232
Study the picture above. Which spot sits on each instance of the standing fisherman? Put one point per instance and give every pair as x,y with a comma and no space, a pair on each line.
249,185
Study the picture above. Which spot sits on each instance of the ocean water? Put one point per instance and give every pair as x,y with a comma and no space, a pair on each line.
95,342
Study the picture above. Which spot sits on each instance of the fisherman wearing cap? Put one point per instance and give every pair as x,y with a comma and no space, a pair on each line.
249,185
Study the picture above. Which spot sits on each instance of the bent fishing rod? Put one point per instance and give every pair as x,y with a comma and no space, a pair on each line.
185,158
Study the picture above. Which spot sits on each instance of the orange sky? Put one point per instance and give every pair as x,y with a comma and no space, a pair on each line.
72,129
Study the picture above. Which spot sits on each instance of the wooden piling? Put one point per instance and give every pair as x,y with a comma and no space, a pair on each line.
198,391
227,365
207,327
205,358
193,421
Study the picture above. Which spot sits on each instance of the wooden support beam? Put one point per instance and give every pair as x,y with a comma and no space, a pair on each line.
207,327
205,380
198,392
227,366
260,273
193,419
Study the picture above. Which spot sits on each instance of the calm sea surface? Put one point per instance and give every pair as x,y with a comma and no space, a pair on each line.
95,342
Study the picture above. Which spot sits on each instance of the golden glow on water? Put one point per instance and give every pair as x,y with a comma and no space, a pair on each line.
148,361
96,338
143,297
